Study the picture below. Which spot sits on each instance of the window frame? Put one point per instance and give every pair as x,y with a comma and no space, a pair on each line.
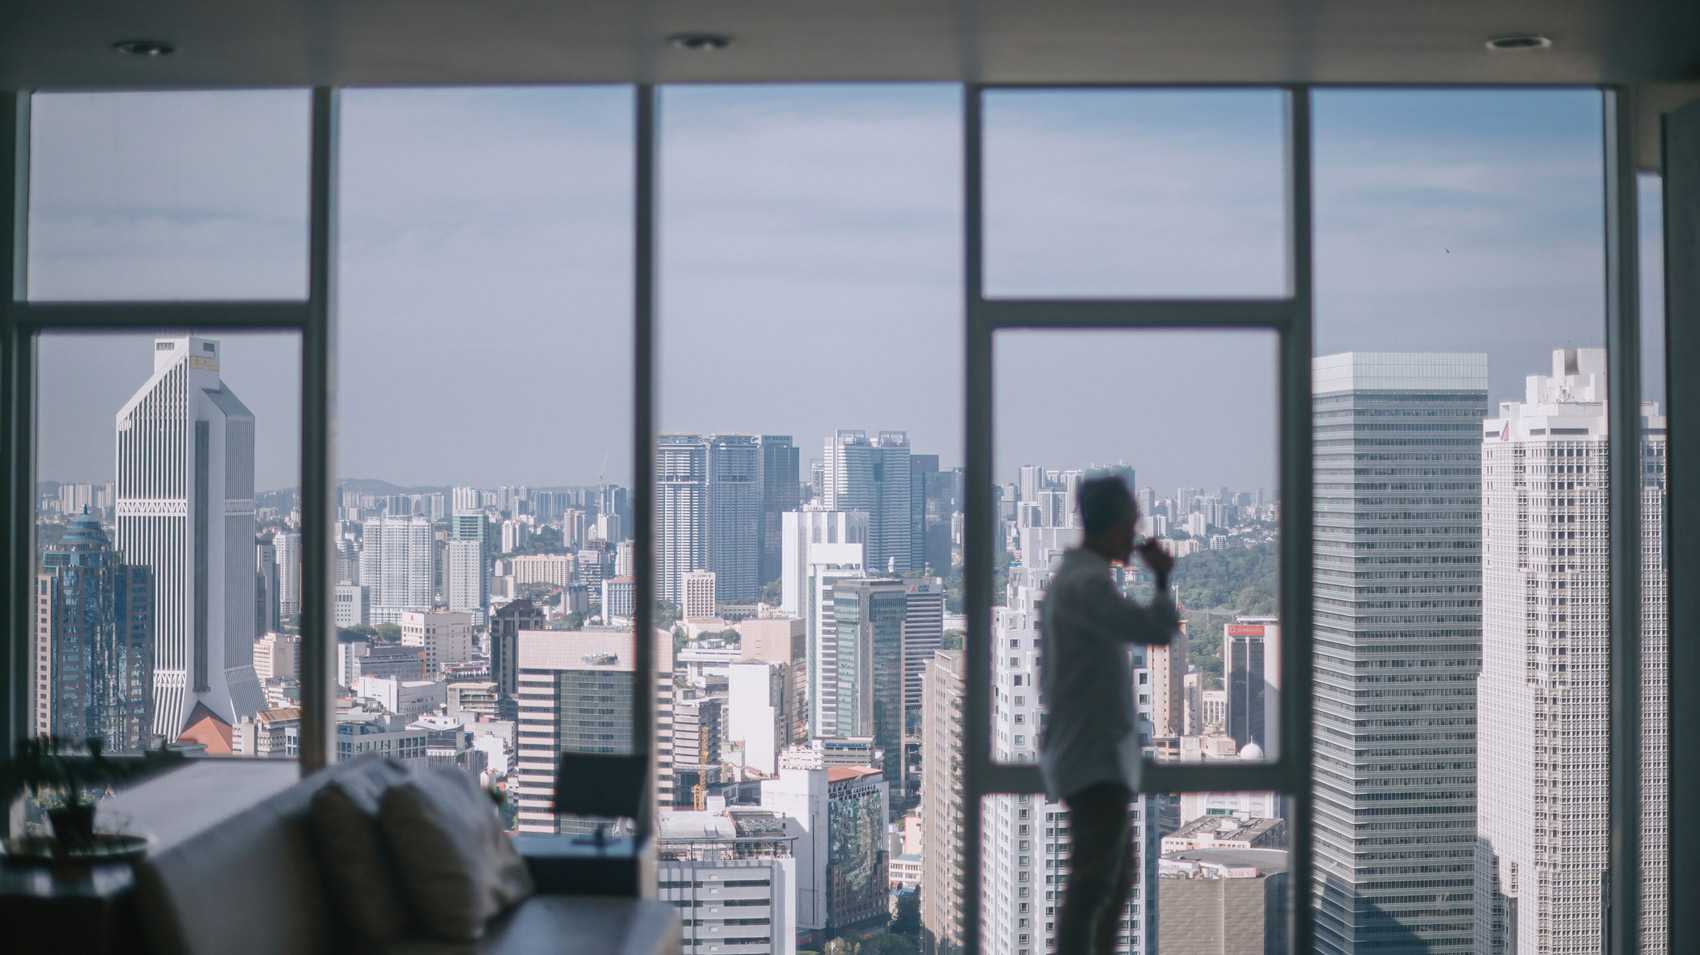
1291,316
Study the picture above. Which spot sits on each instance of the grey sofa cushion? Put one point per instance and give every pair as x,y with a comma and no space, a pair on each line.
446,842
553,924
352,850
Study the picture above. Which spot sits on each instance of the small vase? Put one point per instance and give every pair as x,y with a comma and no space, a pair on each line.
73,825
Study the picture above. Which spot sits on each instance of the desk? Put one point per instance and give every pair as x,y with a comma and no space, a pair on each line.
562,865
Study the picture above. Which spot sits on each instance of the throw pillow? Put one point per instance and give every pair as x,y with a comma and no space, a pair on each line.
352,849
459,868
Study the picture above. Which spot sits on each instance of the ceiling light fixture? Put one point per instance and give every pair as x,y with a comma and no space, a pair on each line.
149,48
1517,42
700,42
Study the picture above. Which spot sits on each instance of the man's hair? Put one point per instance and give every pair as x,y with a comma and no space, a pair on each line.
1105,501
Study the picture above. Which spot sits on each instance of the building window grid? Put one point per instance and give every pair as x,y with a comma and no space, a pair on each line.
311,318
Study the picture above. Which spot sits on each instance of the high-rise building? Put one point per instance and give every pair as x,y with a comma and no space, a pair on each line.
277,656
185,511
576,694
759,717
868,625
732,874
94,642
350,605
734,506
781,492
923,635
699,726
681,511
942,696
823,646
1398,646
506,622
446,636
842,855
467,573
266,616
287,545
696,595
872,475
1545,689
1167,664
1251,675
782,640
396,557
814,535
922,468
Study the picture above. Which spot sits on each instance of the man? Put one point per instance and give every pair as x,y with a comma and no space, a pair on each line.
1089,752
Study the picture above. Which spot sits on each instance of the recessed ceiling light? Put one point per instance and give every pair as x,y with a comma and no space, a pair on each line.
144,47
700,42
1518,41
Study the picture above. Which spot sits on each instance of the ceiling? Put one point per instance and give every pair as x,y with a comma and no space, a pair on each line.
67,43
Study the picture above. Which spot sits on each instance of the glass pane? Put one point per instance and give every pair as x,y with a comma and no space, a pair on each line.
1202,473
1462,682
179,195
1655,580
1146,193
486,263
810,410
167,534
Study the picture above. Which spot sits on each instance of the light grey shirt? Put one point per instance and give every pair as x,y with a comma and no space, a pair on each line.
1086,678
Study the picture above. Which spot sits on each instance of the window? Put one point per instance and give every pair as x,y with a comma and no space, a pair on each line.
484,453
168,542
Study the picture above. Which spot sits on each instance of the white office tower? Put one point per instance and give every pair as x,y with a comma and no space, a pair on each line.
1024,838
1545,689
734,517
941,802
681,511
465,500
810,536
1398,647
732,874
923,635
759,719
467,563
288,546
872,475
185,510
575,694
823,646
396,556
696,595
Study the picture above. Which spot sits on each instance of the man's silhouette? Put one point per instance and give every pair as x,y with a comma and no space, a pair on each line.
1089,751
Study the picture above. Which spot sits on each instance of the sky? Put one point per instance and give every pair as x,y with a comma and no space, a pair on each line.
810,263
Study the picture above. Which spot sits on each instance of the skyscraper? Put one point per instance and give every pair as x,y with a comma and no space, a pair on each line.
287,545
872,475
1251,675
1545,688
734,505
681,511
396,555
94,642
923,634
1398,646
814,535
922,468
780,492
266,617
942,697
576,692
466,577
868,618
185,511
1167,664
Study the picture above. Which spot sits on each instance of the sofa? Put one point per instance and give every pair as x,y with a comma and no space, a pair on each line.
252,885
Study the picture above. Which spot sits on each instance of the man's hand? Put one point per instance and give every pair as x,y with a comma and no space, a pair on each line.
1156,558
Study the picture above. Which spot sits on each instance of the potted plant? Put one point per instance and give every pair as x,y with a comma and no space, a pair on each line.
66,780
